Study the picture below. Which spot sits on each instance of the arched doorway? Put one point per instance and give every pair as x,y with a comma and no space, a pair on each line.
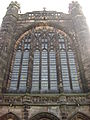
79,116
44,116
9,116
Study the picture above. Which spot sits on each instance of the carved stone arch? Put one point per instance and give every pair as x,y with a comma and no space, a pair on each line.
9,116
48,27
79,116
29,31
44,116
50,24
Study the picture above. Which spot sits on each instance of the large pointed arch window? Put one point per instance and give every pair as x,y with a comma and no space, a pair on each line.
44,62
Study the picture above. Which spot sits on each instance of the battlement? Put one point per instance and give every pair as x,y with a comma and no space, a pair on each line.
43,15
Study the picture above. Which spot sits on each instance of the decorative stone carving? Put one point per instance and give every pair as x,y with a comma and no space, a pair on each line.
44,100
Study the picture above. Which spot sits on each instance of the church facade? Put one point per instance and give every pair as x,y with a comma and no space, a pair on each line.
44,65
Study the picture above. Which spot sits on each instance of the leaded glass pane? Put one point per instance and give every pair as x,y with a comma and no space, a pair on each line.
53,74
15,71
73,71
24,71
44,71
35,76
65,73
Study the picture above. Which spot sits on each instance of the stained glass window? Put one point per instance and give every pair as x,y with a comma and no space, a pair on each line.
43,63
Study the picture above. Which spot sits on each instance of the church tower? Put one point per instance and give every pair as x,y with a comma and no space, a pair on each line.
44,65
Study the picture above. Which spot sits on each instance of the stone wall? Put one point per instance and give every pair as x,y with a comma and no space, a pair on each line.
6,37
73,24
25,106
82,35
62,106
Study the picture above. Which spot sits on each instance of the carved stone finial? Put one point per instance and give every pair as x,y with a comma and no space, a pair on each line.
14,4
75,6
13,8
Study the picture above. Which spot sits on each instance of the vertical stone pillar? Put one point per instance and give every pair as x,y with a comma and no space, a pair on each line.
83,39
6,37
25,113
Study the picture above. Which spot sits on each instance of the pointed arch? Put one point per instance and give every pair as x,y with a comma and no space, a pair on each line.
79,116
46,115
52,68
8,116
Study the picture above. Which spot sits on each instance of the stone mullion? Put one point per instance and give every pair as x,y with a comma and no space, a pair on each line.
68,65
59,72
31,59
30,69
20,69
58,68
40,64
48,71
29,76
